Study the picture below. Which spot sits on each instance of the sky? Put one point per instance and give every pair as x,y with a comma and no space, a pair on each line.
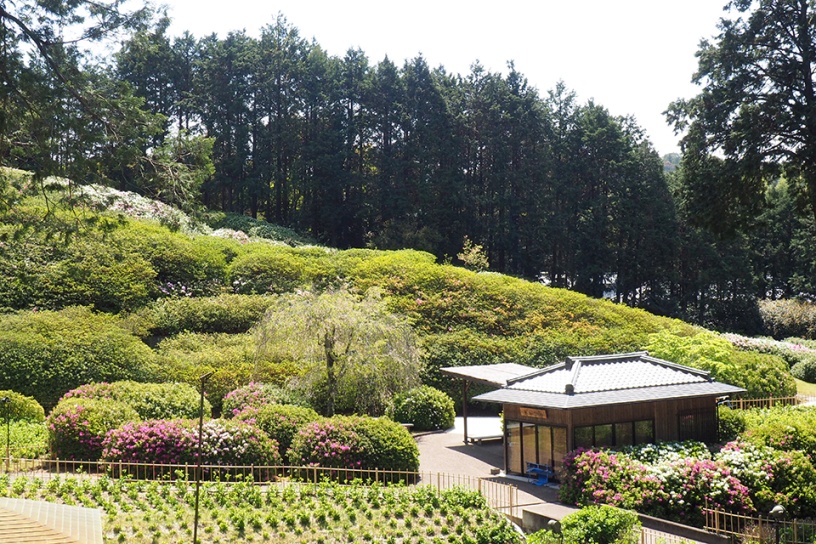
634,57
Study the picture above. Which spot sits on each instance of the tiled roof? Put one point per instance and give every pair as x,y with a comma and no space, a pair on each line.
607,379
497,375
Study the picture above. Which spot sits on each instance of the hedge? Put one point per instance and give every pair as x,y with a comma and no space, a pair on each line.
149,400
44,354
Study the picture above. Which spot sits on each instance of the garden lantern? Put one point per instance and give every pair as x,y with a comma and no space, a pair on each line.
777,513
7,402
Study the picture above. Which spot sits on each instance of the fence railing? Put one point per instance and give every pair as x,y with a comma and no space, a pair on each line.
747,404
759,530
500,496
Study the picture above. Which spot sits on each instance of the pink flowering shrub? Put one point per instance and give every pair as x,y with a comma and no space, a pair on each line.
77,427
603,477
254,395
675,490
329,443
224,442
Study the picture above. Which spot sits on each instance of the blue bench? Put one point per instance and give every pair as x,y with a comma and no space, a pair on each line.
539,474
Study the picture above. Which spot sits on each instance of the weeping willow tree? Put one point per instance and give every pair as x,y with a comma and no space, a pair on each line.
354,353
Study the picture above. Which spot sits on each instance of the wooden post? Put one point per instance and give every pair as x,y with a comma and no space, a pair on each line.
465,386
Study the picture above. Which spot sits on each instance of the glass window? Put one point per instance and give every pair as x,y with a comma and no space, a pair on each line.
603,436
624,434
644,432
583,437
514,446
545,445
559,445
528,435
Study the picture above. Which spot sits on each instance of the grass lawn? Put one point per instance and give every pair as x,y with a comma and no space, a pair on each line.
162,512
805,388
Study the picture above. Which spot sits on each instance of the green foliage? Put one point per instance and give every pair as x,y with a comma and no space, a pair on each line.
784,428
188,356
255,228
279,421
387,444
805,369
21,408
473,256
601,525
149,400
355,354
220,314
258,395
28,440
761,375
264,269
45,354
77,426
731,423
428,409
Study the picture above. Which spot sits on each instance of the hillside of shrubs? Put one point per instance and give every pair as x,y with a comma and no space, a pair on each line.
117,289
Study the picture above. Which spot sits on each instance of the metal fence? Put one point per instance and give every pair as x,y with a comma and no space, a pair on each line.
650,536
500,496
759,530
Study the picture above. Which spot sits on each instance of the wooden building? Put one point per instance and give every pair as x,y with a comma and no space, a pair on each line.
605,401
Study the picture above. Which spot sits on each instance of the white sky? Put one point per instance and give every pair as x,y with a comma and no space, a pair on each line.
631,56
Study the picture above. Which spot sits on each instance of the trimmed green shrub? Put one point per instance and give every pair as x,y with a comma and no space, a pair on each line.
254,227
601,525
21,408
45,354
77,427
805,369
428,409
388,445
280,422
783,428
149,400
265,269
224,442
220,314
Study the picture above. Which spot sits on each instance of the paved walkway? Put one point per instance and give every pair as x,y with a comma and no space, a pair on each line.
446,452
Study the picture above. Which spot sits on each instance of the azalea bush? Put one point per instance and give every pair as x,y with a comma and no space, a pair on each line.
77,426
280,422
329,443
44,354
224,442
671,488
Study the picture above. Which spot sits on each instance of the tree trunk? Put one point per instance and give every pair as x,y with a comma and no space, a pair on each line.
331,378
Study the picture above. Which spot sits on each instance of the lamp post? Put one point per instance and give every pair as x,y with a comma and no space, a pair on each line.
555,526
203,379
777,513
7,402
